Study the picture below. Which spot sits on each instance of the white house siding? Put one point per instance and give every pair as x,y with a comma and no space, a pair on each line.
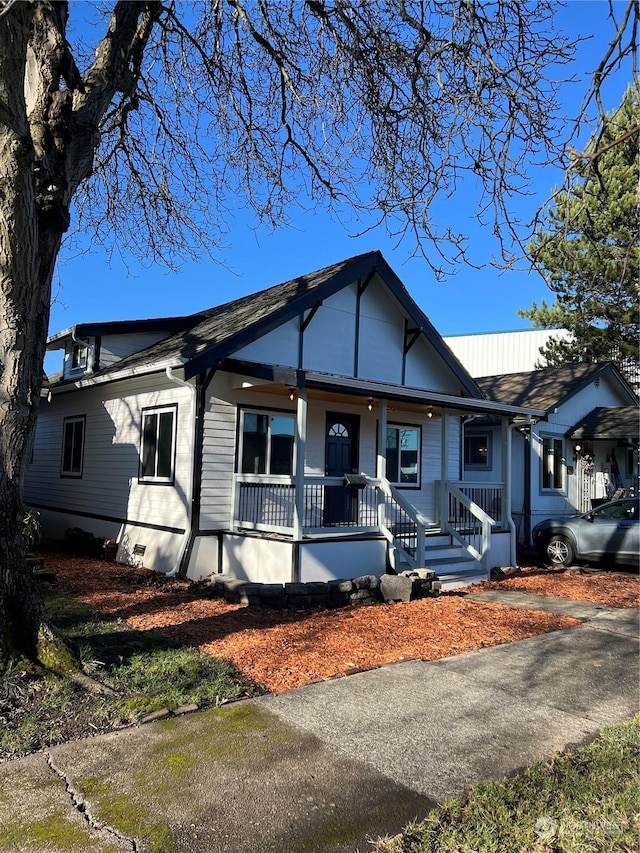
518,449
381,340
277,347
544,503
111,461
368,345
218,460
329,339
424,369
493,472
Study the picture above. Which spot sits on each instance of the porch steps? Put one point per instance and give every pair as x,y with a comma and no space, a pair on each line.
454,567
456,578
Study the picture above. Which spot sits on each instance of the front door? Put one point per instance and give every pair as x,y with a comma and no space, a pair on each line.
341,457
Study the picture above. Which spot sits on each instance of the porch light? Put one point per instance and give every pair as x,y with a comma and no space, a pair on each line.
370,403
292,394
430,412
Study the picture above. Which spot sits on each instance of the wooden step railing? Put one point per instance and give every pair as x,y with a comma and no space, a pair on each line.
468,524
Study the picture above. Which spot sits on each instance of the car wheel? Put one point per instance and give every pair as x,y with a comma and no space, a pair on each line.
560,551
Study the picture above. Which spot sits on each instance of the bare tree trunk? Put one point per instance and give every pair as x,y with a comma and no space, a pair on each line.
49,128
28,248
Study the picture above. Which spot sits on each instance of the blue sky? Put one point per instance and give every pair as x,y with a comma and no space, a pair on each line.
93,288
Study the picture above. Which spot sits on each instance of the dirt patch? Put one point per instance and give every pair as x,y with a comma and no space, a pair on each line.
282,649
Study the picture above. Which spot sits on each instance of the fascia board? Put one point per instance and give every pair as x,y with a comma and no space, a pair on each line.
417,395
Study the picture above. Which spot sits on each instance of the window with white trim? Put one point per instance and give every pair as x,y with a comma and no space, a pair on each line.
73,430
553,463
403,455
477,450
266,443
158,445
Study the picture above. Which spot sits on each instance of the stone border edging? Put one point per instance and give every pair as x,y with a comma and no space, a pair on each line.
341,592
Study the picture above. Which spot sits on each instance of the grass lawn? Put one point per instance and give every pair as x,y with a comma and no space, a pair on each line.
146,672
583,801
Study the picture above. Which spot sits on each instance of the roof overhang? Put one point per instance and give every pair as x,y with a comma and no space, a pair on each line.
116,375
82,331
614,423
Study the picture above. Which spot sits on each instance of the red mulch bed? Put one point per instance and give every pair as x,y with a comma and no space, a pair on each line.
282,649
615,589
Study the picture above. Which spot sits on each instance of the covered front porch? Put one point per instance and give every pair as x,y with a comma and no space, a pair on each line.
371,482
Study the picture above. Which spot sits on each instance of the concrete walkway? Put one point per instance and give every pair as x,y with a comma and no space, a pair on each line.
324,767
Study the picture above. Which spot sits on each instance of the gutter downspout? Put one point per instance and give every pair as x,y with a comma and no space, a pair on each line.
189,502
86,344
507,488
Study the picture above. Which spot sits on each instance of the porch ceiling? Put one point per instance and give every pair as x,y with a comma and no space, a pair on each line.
335,396
417,397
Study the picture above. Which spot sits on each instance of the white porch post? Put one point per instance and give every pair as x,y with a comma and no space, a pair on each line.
507,442
381,462
300,443
381,459
444,457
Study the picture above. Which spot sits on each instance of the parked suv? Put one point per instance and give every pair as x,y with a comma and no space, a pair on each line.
611,531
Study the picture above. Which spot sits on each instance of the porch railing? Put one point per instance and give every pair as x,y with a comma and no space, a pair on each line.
402,525
268,503
468,524
488,496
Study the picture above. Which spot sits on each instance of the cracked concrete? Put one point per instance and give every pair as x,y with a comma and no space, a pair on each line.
325,767
37,814
103,831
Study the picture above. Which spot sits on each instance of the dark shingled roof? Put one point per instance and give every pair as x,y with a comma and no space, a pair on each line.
608,422
210,336
540,389
212,328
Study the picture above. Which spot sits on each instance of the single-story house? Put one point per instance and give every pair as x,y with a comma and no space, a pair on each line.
581,452
309,431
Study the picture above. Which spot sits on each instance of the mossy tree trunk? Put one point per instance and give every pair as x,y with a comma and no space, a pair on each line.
49,128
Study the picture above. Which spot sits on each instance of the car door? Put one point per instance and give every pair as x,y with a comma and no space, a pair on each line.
610,531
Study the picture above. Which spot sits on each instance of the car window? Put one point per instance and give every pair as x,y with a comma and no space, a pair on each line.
620,509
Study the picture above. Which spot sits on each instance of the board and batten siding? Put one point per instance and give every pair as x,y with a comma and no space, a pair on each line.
357,338
109,487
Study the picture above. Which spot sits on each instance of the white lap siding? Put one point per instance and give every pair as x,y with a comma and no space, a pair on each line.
218,456
108,489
